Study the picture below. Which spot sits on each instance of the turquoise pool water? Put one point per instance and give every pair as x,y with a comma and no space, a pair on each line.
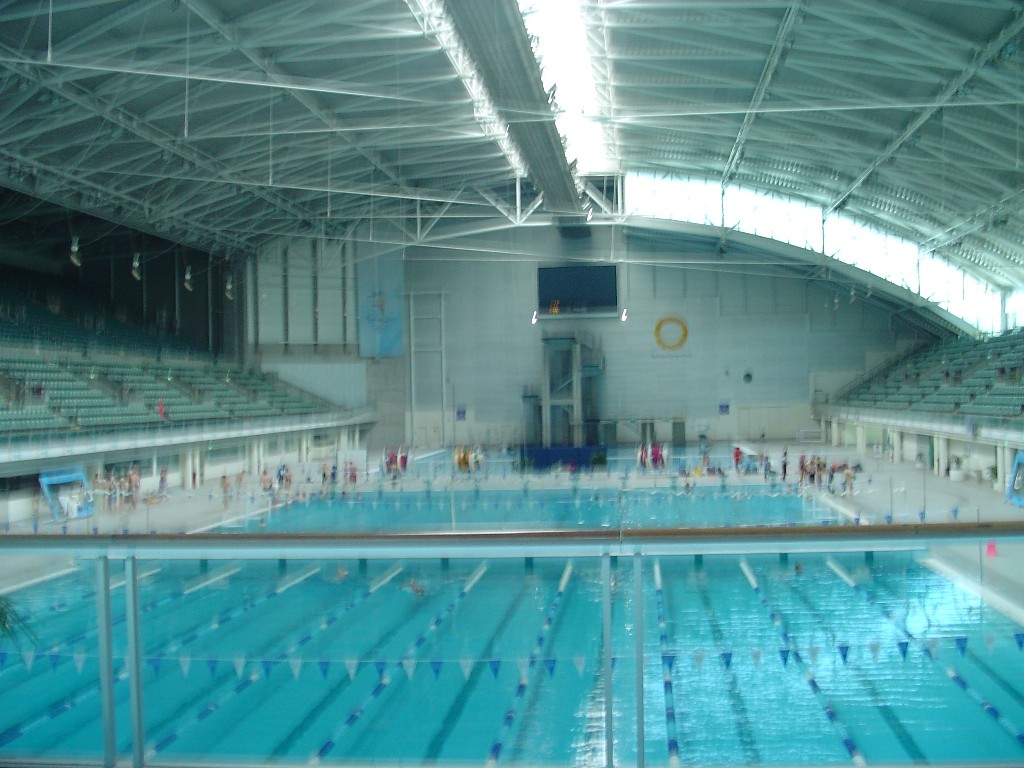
768,660
519,509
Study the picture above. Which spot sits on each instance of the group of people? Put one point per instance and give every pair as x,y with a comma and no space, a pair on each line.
815,472
651,455
120,491
395,462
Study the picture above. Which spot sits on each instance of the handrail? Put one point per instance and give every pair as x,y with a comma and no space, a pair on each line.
505,544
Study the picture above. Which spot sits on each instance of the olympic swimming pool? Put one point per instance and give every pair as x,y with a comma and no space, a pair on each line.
468,509
746,660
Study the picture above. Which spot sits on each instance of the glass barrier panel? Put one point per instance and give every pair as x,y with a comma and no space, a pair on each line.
50,681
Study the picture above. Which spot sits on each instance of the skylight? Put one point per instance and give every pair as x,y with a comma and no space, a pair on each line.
560,30
798,223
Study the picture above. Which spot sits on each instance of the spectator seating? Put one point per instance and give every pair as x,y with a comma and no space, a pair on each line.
964,376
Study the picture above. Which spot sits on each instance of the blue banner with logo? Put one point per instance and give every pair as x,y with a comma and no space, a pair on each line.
380,306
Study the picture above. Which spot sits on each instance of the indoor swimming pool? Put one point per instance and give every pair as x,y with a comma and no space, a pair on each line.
576,508
763,659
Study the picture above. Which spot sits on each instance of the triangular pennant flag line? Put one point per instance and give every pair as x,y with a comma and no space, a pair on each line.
929,646
409,665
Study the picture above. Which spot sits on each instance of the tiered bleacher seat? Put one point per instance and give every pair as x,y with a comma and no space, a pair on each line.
70,365
963,376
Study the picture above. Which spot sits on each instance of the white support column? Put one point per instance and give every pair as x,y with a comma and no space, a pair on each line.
1005,466
186,470
577,394
351,337
897,445
862,442
941,455
837,434
545,402
252,457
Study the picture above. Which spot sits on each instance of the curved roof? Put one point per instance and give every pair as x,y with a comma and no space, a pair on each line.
221,123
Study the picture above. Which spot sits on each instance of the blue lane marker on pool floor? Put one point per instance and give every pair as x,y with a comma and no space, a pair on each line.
667,659
951,671
385,680
304,636
538,646
776,618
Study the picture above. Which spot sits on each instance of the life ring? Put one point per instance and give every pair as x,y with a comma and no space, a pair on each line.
670,346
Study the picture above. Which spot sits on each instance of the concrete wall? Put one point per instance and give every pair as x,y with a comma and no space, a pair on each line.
759,346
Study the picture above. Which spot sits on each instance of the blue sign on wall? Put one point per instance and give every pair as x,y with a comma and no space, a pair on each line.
381,287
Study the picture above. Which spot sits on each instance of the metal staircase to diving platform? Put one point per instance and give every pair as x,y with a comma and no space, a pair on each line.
571,364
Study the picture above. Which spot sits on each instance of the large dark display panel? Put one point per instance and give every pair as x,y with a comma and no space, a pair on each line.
577,290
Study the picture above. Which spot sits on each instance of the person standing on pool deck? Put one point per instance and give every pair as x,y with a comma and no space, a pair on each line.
784,464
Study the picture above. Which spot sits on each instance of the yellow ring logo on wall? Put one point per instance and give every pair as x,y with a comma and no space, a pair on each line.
673,339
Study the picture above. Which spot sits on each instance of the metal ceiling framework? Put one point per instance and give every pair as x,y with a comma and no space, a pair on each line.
221,124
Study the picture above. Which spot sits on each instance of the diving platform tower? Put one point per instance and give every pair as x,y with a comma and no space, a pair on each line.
572,364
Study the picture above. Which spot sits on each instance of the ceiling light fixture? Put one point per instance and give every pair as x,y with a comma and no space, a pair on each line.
137,266
75,257
188,279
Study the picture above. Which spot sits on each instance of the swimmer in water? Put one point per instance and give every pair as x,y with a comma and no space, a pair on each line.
414,587
798,569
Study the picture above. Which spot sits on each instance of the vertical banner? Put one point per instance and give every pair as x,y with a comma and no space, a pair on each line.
380,286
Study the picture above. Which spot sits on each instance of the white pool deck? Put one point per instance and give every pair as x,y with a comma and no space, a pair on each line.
880,490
